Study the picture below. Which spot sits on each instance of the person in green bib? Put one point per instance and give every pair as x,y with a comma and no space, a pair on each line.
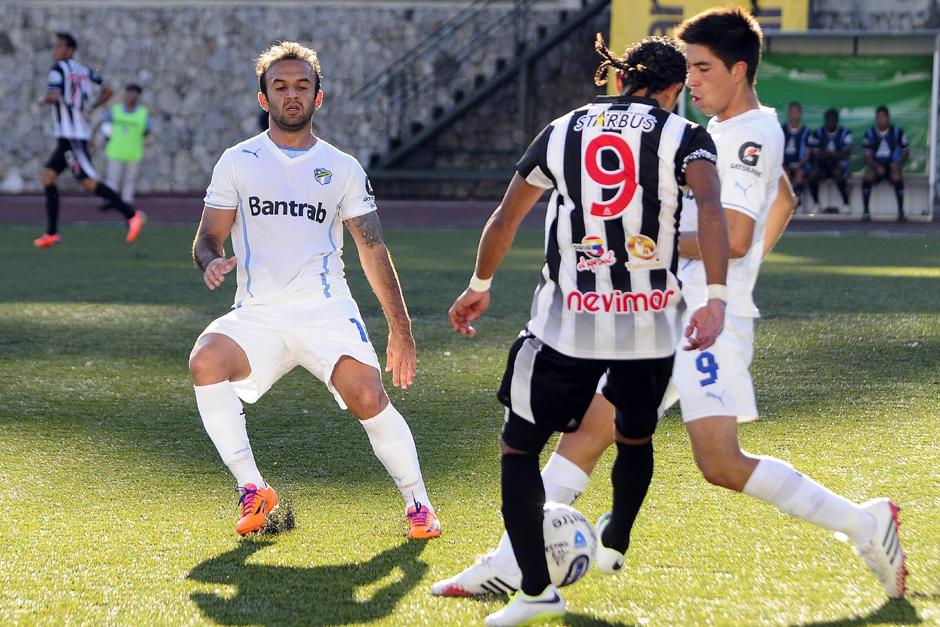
129,124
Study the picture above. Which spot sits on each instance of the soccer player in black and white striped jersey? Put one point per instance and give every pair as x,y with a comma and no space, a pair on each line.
607,298
70,96
724,50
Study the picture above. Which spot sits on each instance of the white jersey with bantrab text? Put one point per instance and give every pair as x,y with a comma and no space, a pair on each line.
750,157
75,83
288,231
608,288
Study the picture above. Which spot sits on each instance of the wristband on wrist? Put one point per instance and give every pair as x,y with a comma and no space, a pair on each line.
719,291
480,285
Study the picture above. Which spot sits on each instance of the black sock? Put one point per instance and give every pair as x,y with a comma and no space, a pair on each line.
631,477
114,199
52,208
523,500
814,192
899,193
866,194
843,186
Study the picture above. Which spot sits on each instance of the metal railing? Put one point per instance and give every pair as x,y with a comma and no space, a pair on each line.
434,74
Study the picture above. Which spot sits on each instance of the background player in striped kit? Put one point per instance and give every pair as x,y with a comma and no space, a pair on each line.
885,149
795,150
283,197
830,146
70,87
720,86
616,167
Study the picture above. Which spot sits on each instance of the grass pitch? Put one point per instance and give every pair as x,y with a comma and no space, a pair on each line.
117,509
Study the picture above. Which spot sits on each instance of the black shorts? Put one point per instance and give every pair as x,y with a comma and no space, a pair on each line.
827,167
545,391
72,154
881,177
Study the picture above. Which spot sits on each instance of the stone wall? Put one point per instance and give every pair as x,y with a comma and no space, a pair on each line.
195,61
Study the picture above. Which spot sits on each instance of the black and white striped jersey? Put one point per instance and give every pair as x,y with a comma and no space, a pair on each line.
608,288
75,83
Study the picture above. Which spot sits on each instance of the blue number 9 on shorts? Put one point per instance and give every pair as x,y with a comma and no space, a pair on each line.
706,364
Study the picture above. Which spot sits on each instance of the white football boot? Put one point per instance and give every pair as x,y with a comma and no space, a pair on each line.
608,561
883,553
526,610
478,579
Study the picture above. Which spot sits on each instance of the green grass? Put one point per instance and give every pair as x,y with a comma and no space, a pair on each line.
118,510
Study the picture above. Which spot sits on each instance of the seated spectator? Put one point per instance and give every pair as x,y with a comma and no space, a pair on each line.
830,146
795,149
885,151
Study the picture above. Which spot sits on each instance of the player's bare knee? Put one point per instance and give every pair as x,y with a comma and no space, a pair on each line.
88,184
714,472
207,365
367,400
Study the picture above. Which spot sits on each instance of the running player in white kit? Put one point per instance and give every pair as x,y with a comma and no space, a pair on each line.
283,197
715,385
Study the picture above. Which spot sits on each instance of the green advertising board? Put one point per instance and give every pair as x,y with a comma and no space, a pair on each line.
855,86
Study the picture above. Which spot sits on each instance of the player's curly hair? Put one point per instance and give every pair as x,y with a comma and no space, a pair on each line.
286,50
654,63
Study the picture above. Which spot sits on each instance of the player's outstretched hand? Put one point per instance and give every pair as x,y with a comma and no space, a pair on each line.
468,307
216,270
705,325
401,359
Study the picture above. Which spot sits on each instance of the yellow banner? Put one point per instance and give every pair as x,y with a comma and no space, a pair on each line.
632,20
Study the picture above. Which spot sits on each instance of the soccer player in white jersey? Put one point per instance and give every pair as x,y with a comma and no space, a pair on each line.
283,197
715,385
603,303
70,96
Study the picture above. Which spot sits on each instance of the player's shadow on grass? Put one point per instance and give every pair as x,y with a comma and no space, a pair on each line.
321,595
894,611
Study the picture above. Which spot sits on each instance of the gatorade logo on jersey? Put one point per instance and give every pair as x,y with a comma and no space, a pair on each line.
261,207
749,153
369,198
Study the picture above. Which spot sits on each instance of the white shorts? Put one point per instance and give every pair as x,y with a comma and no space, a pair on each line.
278,337
717,381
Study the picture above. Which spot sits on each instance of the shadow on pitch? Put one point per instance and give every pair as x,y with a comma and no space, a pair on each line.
894,611
321,595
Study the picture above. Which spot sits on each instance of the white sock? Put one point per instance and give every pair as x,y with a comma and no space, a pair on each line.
224,420
564,482
779,484
395,447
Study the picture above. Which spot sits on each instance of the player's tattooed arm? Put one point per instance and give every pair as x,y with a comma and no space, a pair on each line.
380,271
366,229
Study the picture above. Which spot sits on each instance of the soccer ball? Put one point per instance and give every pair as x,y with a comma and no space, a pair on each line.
570,543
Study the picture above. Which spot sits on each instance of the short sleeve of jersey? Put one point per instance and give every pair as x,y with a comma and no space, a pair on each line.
95,77
221,193
359,198
533,166
55,80
743,168
696,145
812,139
